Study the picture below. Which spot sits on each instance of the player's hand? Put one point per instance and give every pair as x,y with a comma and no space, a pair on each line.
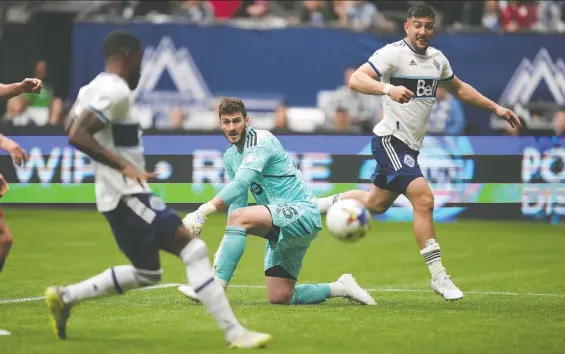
4,188
217,254
401,94
18,154
31,85
141,177
194,222
509,116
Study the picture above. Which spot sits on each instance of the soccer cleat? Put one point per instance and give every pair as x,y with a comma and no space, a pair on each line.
59,312
189,292
250,339
354,292
447,289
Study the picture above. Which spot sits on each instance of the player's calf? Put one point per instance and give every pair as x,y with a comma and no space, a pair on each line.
116,280
422,199
378,200
5,243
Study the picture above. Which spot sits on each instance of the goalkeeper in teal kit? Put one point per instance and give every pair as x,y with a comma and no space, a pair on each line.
286,214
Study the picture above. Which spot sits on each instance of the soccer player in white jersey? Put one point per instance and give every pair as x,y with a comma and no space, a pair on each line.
407,72
102,127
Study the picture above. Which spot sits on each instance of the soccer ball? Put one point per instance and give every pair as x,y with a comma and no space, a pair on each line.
348,220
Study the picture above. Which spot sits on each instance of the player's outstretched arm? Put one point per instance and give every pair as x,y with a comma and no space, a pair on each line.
236,191
232,192
26,86
470,95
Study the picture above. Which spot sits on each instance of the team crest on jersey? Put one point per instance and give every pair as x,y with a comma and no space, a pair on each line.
157,203
256,188
409,161
436,64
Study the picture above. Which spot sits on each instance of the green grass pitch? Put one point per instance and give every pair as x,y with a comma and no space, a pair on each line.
513,276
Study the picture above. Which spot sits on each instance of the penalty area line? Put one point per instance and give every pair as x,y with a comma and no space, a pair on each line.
373,290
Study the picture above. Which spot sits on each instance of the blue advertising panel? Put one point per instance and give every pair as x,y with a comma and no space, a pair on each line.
186,65
502,177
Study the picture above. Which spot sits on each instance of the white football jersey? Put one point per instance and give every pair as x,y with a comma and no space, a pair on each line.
108,96
398,64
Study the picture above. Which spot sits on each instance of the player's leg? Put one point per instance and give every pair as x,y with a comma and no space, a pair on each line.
410,182
134,232
421,197
377,200
174,238
381,196
282,288
283,261
255,220
5,240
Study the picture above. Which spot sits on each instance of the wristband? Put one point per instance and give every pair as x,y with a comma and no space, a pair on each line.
387,88
208,208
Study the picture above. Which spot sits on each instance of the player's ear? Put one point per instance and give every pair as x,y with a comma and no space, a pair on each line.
406,24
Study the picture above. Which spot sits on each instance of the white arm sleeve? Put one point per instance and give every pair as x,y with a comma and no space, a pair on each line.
109,105
384,60
446,71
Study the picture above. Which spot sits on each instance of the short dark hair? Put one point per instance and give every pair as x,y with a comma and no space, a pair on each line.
120,43
420,11
231,105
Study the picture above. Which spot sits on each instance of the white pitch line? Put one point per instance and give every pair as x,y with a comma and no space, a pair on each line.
375,290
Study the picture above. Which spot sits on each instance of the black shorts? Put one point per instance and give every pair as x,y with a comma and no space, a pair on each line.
142,225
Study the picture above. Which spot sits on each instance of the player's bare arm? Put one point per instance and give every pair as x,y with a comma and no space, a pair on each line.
470,95
365,80
8,91
81,135
18,154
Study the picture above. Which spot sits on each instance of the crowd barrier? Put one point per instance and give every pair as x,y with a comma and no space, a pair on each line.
472,177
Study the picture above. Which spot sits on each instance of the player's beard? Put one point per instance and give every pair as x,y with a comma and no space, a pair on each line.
240,137
417,46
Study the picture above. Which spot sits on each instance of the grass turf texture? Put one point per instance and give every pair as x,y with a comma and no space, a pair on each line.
63,246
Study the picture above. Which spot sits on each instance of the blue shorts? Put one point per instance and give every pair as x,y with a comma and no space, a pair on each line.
397,164
142,225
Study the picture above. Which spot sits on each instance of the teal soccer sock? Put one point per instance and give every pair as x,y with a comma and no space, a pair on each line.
309,294
231,251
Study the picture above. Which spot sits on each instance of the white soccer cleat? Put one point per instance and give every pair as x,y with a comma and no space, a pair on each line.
447,289
189,292
354,292
250,339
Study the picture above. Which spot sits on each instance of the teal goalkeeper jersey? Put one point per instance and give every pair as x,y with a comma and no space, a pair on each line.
279,181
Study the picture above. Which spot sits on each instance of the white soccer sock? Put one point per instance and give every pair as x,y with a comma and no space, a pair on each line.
115,280
212,295
224,284
337,289
324,204
432,256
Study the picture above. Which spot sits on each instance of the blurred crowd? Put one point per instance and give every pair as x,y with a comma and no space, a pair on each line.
362,15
